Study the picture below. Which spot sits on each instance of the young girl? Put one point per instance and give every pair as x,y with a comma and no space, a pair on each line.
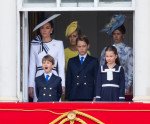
117,30
111,79
81,74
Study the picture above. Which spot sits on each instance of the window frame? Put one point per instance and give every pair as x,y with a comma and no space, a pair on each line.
23,36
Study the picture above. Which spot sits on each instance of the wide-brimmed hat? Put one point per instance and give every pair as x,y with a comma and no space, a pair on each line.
115,22
45,21
71,28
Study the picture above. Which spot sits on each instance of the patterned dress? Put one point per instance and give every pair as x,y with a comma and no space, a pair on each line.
126,58
110,84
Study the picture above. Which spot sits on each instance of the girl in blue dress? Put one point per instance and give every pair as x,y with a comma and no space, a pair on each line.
116,29
110,84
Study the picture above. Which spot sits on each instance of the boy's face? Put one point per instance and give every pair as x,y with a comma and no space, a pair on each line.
47,66
82,47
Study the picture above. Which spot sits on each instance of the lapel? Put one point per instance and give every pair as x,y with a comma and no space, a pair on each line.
50,81
43,79
77,60
84,64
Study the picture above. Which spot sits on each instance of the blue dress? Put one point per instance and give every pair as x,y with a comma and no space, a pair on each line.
110,84
125,54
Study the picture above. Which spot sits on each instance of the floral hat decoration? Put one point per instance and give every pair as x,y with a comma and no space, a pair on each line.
115,22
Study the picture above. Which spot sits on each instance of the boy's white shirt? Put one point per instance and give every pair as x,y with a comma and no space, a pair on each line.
82,56
50,74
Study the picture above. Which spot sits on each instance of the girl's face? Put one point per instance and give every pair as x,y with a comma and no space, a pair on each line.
110,57
117,36
72,38
82,47
46,30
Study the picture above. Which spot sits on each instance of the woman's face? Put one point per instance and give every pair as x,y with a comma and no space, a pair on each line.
72,38
117,36
46,30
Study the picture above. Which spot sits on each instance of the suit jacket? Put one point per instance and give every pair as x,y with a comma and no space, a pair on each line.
48,91
81,78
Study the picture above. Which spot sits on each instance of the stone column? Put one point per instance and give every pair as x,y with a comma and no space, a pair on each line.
8,51
142,51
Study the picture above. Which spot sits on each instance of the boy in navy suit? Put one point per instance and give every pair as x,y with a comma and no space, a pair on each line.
81,74
48,85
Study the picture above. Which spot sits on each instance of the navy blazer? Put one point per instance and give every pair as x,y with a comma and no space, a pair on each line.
48,91
81,78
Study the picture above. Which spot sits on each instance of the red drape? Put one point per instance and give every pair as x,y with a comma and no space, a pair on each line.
44,113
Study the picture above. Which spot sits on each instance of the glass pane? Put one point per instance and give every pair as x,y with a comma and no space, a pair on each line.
77,3
114,0
115,3
39,1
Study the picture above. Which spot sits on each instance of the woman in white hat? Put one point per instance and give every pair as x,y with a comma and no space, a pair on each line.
42,45
116,29
72,33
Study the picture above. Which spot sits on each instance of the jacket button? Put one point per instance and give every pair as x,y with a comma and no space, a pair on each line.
50,88
50,95
44,88
84,83
44,94
77,76
77,83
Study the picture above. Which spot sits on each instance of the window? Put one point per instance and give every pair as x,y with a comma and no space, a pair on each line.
91,14
45,4
77,3
39,1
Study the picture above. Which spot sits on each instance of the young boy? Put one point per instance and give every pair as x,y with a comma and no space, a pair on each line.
81,74
48,85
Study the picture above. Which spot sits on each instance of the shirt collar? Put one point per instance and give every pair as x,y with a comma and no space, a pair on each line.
82,56
50,74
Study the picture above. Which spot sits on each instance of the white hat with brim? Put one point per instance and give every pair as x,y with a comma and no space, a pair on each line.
45,21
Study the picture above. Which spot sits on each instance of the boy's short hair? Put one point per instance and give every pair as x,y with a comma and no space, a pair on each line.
82,38
48,58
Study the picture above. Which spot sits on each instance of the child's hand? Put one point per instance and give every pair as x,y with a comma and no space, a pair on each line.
31,92
128,90
63,90
94,99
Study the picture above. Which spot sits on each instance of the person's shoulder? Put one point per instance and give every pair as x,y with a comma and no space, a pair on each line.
56,77
73,58
57,41
88,52
93,58
67,50
128,47
119,68
103,67
39,77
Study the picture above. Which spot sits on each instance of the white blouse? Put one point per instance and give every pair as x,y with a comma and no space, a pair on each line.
38,50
